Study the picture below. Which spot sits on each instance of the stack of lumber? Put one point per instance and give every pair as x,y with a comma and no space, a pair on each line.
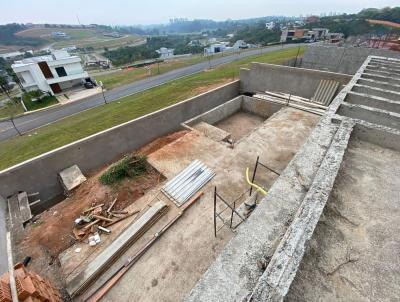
292,101
105,259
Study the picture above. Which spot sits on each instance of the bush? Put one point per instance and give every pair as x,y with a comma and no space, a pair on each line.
129,166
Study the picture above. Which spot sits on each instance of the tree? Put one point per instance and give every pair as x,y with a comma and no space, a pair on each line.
4,86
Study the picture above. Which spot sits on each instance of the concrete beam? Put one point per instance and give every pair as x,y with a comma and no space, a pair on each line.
275,282
369,114
376,91
372,101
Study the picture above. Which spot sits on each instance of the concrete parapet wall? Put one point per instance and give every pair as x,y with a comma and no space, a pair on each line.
3,239
263,108
297,81
341,59
40,173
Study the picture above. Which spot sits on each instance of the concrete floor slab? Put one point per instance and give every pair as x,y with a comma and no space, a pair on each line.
169,270
354,252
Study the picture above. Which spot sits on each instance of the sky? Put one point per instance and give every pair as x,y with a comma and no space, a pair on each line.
132,12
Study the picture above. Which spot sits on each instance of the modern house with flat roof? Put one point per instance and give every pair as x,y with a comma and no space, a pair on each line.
52,73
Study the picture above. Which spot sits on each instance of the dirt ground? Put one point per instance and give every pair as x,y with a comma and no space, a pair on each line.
50,234
354,252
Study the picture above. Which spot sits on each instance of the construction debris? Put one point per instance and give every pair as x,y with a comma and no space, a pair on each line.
30,287
97,217
292,101
116,248
71,178
183,186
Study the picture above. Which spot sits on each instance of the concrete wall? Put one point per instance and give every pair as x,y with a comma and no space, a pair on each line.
40,173
3,240
248,104
276,78
341,59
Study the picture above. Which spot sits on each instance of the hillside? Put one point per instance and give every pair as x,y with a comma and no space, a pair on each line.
15,36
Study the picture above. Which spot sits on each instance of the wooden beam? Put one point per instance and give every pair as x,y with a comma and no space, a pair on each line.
131,234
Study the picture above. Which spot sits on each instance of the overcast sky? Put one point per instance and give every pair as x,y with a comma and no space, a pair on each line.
118,12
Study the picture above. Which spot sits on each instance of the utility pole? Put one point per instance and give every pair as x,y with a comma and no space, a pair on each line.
209,61
15,126
102,91
158,66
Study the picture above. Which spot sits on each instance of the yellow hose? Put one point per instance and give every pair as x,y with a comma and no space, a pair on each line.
259,189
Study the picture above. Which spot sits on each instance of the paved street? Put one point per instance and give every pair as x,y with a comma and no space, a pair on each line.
35,120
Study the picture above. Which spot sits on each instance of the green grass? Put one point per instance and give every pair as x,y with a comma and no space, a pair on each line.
10,110
38,104
81,125
126,76
80,37
128,167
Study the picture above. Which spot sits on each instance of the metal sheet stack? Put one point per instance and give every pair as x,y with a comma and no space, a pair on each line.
183,186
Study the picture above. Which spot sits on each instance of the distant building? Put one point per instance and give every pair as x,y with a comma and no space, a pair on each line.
113,34
270,25
51,73
69,48
11,55
334,37
214,48
165,52
291,35
311,19
59,34
240,44
230,35
321,33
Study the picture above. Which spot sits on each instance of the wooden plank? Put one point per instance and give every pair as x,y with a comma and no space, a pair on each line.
24,207
97,295
116,248
16,222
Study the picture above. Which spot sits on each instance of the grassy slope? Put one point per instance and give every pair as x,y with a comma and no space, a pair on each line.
126,76
79,37
17,149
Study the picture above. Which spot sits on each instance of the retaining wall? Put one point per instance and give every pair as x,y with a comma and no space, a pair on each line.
276,78
40,173
341,59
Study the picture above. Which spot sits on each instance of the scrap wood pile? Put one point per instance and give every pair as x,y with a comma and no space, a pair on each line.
96,220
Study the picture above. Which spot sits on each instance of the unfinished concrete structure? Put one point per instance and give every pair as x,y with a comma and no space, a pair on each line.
324,169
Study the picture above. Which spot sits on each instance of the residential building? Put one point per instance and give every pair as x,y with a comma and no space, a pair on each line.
214,48
59,34
334,37
240,44
291,35
11,55
165,52
321,33
270,25
52,73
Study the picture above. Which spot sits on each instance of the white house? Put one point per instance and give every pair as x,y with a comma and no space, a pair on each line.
270,25
165,52
240,44
215,48
52,73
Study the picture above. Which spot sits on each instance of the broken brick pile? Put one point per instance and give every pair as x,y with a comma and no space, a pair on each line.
30,287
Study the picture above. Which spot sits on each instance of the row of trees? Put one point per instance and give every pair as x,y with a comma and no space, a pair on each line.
127,55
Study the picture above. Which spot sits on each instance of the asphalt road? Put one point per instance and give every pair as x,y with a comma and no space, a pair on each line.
37,119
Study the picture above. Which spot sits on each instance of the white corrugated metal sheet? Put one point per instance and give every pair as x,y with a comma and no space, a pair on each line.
183,186
325,92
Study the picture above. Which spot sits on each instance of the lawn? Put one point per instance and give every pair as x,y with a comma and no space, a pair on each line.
129,75
43,102
81,125
10,110
80,37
